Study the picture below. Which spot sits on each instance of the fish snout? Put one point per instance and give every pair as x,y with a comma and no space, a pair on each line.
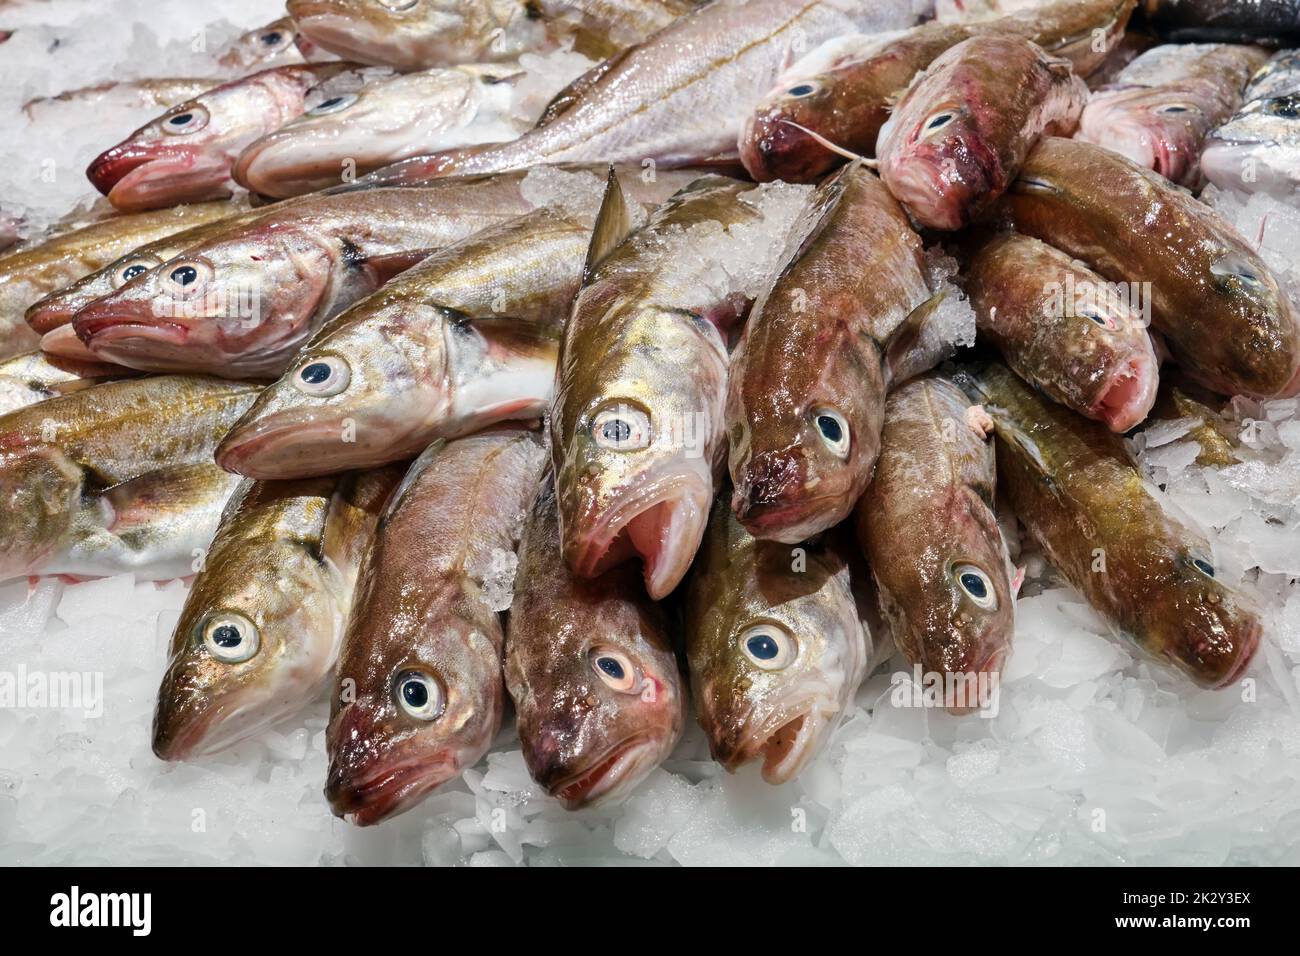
766,489
772,147
111,166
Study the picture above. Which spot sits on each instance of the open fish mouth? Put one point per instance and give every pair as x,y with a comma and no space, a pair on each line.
389,789
610,776
786,745
1128,394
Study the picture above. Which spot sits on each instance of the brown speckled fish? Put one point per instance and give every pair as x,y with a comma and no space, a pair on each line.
262,624
1213,299
1078,495
958,137
597,693
776,645
418,694
35,376
930,534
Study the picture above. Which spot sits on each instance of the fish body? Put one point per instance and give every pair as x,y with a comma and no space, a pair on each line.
1159,109
1212,298
1228,21
1078,495
1258,149
677,98
843,92
262,624
929,531
597,693
1064,329
114,478
244,302
962,130
36,269
807,387
35,376
959,11
161,93
419,694
776,646
186,154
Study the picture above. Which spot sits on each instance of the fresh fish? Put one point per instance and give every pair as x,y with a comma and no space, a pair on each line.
276,44
261,626
1218,442
959,11
835,99
243,303
185,155
1161,106
1258,150
1064,329
807,390
1211,297
1233,21
959,135
676,99
35,376
1077,494
418,696
118,477
776,646
354,133
597,693
929,531
117,97
417,34
37,269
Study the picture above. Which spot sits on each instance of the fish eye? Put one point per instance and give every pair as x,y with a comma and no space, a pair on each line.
937,122
1174,109
976,584
419,695
335,104
190,119
271,38
621,427
615,669
1200,564
1286,107
1098,317
130,270
397,5
187,277
802,90
1233,266
322,377
230,637
769,647
833,429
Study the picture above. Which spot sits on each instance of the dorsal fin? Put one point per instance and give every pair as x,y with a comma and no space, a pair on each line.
613,223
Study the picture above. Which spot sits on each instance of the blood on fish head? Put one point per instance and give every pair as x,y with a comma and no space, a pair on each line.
775,142
943,169
58,308
1154,127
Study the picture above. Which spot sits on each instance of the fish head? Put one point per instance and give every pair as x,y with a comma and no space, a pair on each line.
41,489
359,395
1255,150
775,142
406,34
273,42
417,717
1269,353
942,165
775,661
237,306
256,638
1159,128
58,308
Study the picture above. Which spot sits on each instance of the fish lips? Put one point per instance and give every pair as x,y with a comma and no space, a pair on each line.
772,147
148,177
389,783
605,779
295,444
770,498
786,739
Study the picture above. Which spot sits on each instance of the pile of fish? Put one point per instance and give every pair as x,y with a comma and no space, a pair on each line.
594,360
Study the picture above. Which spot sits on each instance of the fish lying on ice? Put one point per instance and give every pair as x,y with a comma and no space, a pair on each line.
1258,150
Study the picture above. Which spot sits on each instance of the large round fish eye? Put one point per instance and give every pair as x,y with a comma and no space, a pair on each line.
976,585
1234,266
768,647
802,90
335,104
230,637
186,278
188,119
622,427
322,377
616,669
419,695
833,428
129,270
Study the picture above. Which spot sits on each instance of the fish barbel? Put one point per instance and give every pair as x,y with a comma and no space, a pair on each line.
262,624
419,694
597,693
1211,297
1078,495
776,646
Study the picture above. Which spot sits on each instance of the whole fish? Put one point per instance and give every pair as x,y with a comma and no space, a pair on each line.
386,121
243,303
929,531
1064,329
419,695
959,135
417,34
597,694
185,155
261,626
835,99
35,376
114,478
117,97
1211,297
1077,494
276,44
1258,150
776,646
677,98
37,269
1232,21
806,395
1159,109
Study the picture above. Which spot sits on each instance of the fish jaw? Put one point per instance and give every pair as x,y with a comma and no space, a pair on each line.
62,341
786,738
609,778
1216,644
1129,393
942,182
302,443
167,177
774,147
1124,122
